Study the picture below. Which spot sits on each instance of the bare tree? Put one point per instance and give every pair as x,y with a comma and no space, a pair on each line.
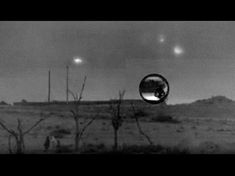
19,134
79,130
117,118
136,117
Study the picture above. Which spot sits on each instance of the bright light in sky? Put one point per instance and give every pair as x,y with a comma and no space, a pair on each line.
161,39
178,50
77,60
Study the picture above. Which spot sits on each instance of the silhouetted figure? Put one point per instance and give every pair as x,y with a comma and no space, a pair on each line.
54,142
47,144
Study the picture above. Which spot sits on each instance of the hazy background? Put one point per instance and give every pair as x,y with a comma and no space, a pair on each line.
197,58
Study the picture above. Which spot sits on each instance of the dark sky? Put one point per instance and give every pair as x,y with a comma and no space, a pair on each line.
197,58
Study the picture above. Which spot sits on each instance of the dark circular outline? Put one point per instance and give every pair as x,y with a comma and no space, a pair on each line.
162,99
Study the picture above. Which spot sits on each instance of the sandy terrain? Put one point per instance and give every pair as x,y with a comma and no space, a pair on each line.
199,135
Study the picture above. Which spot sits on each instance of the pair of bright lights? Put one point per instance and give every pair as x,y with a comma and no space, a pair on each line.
177,50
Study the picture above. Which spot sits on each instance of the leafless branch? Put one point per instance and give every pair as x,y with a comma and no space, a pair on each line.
121,95
5,128
112,108
73,113
82,89
87,125
18,135
73,95
33,126
139,126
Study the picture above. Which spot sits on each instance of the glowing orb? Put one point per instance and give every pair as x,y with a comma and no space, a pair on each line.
77,60
178,50
161,39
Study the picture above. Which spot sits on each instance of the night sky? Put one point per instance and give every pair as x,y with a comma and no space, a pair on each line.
197,58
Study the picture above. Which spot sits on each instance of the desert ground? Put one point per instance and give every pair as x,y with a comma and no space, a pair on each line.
194,134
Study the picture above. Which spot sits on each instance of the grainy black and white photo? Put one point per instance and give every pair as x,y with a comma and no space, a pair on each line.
125,87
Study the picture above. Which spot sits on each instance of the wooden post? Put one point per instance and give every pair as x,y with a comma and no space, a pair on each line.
49,86
67,84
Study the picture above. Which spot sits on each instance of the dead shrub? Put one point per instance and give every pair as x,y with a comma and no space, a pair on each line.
162,118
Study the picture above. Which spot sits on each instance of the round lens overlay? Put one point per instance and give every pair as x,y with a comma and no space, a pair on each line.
154,88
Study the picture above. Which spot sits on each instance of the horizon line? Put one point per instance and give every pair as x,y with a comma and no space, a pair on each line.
106,100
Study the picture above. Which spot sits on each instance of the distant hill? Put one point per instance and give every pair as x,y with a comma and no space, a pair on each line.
215,100
216,106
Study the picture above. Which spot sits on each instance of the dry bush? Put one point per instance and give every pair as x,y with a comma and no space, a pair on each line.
141,113
117,117
80,128
19,134
163,118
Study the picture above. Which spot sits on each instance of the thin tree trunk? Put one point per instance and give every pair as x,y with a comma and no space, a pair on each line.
19,147
115,147
20,141
9,144
77,135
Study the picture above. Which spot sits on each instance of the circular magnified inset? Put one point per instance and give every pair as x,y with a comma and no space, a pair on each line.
154,88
